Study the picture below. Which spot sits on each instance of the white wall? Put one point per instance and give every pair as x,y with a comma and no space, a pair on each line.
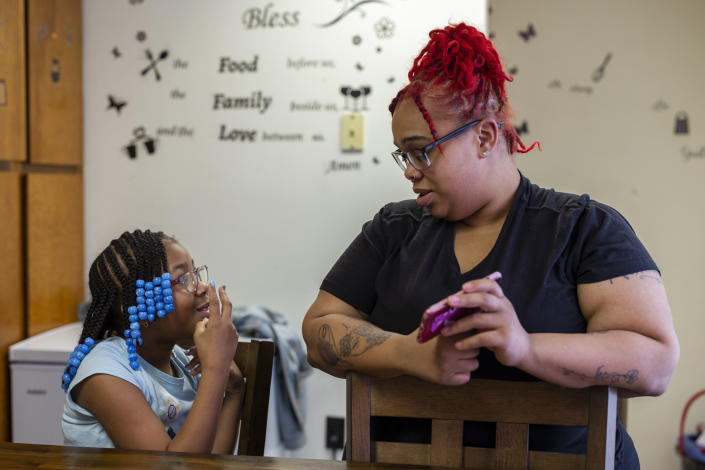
615,140
269,218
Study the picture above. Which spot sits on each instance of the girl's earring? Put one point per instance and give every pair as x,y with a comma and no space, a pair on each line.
485,153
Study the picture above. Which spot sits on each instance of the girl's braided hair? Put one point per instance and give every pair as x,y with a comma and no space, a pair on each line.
112,277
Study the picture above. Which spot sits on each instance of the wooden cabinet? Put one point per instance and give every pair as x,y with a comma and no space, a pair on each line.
54,238
55,81
11,280
41,179
13,97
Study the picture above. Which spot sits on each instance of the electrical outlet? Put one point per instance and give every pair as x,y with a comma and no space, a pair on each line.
335,432
351,132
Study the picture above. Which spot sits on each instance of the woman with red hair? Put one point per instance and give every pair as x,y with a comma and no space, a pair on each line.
580,303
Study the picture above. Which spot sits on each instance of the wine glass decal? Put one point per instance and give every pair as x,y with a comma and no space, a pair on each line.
345,91
366,90
355,93
348,92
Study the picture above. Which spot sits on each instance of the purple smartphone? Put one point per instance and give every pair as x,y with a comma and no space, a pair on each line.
433,322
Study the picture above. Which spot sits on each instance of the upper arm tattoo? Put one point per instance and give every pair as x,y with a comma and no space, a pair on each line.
355,342
640,275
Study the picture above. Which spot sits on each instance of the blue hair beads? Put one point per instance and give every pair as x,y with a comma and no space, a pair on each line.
78,354
153,300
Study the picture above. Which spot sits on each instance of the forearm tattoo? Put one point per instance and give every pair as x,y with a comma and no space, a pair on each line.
641,275
614,378
604,377
355,341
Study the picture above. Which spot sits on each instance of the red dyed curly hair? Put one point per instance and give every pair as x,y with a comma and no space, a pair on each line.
461,70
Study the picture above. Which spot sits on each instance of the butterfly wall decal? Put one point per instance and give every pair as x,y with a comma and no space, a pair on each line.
529,33
115,103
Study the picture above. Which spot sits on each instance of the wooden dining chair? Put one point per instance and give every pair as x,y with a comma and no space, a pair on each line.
511,405
255,359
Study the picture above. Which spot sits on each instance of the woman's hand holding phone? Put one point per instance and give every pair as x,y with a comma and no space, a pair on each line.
493,325
442,314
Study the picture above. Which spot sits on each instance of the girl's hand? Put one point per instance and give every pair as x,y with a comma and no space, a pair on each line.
236,384
495,327
194,366
236,381
215,337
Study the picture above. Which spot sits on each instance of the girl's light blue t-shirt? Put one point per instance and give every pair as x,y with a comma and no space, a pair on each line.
169,397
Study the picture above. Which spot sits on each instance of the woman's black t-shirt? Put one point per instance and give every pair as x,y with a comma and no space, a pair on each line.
403,261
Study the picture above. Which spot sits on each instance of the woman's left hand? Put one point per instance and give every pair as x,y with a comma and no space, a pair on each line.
495,326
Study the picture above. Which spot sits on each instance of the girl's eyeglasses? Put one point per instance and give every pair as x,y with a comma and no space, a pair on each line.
190,279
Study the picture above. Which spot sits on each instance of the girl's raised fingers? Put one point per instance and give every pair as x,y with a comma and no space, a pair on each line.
213,302
227,306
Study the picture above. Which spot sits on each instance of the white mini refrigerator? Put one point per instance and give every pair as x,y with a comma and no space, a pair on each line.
37,400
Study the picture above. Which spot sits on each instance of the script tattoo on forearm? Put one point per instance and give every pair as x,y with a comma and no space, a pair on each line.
614,378
355,341
602,376
640,275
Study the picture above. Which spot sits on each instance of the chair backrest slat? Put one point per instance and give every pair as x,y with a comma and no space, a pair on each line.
255,359
447,442
402,453
392,398
358,418
601,438
512,446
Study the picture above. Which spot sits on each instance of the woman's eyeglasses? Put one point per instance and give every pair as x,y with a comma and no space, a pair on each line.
419,157
190,279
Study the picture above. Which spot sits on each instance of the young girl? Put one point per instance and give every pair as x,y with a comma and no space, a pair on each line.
129,385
